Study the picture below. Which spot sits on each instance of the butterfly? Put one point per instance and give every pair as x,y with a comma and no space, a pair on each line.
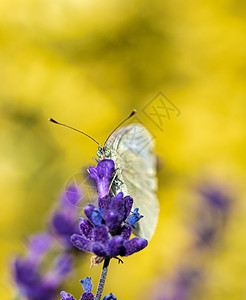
131,147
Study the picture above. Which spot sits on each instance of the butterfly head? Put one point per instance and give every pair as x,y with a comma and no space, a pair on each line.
103,152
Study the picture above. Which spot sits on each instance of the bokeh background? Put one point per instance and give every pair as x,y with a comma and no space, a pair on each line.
88,64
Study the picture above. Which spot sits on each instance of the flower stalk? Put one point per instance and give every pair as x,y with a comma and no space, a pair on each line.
102,279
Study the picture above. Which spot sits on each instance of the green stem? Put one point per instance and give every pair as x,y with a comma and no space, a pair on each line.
102,279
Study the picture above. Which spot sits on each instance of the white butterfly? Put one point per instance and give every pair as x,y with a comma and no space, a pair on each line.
132,150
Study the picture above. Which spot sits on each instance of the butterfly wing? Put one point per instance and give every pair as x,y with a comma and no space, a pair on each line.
137,139
132,151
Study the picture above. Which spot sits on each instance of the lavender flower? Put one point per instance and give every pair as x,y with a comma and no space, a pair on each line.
216,197
64,221
105,231
87,295
135,216
31,283
180,286
87,286
212,214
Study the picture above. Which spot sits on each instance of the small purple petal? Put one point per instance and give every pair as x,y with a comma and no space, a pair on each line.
103,203
60,269
64,226
87,296
71,196
99,249
109,297
66,296
87,285
126,231
96,217
112,220
102,174
39,244
216,197
93,173
25,272
105,168
61,224
115,246
134,245
88,210
63,265
100,234
134,217
81,243
118,204
129,202
85,228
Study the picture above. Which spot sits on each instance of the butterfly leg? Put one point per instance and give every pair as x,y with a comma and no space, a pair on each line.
115,174
119,260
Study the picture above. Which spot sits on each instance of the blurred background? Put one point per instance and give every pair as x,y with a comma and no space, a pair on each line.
182,65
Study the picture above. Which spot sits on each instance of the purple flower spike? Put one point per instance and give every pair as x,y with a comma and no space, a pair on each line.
102,174
64,220
216,197
64,226
106,231
213,211
28,271
66,296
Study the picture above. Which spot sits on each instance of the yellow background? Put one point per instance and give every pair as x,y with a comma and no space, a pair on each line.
88,64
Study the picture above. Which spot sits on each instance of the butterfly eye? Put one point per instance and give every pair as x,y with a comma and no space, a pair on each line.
107,152
98,152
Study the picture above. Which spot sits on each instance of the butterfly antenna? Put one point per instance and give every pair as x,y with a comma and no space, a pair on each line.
131,114
58,123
